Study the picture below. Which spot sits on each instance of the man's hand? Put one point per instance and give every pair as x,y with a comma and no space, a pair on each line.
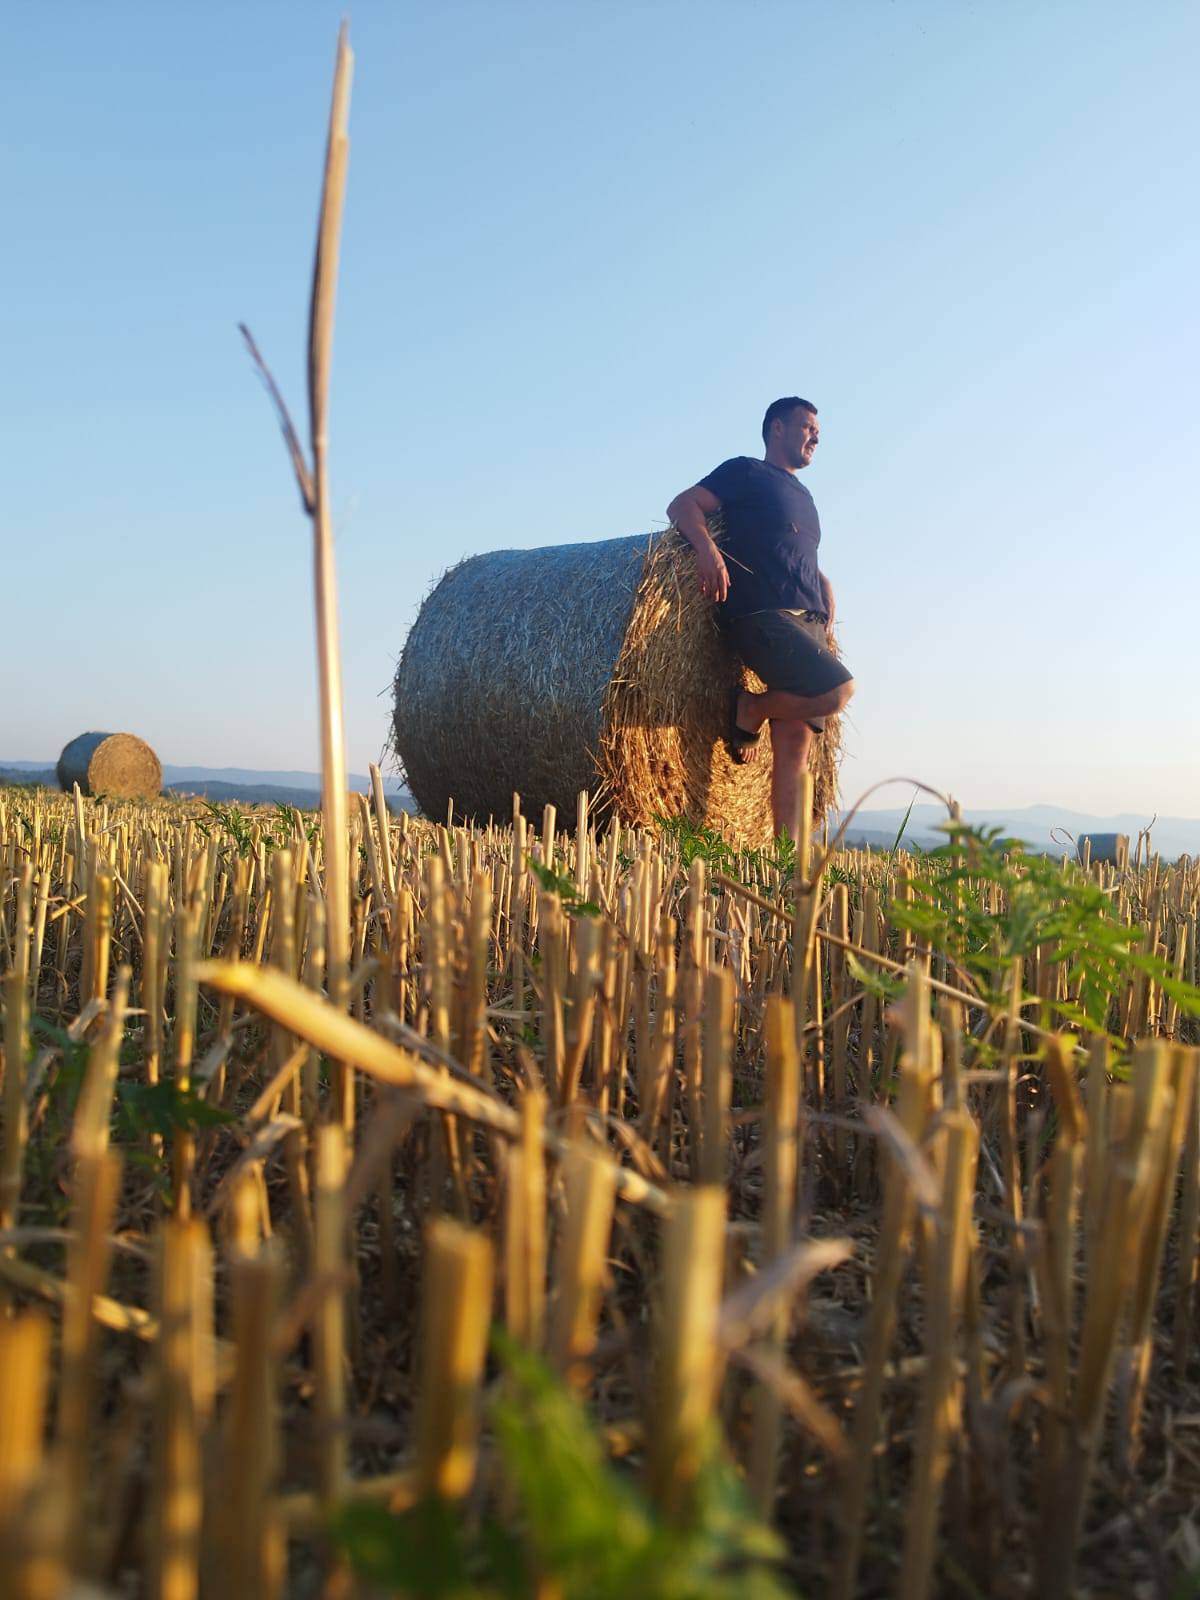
712,572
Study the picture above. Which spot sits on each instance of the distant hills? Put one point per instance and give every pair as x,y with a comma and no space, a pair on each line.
1048,829
228,785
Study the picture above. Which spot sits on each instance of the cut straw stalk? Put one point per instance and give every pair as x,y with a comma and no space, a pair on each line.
912,1111
16,1122
471,1030
383,823
150,986
187,934
804,919
95,1188
24,1371
1010,1166
716,1068
90,1130
33,1522
456,1311
581,1260
251,1525
1111,1272
587,940
1057,1259
781,1134
688,1317
186,1382
525,1226
940,1414
329,1315
552,939
1135,1361
694,962
1188,1260
1097,1152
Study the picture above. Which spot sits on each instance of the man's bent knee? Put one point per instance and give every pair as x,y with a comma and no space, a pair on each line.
790,736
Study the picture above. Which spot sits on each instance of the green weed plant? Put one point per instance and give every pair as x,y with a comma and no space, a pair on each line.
1041,904
581,1527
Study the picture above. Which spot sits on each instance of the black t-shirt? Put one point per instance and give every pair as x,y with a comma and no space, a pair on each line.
770,540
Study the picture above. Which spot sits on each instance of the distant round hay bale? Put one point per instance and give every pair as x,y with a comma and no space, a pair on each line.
1110,847
586,666
118,764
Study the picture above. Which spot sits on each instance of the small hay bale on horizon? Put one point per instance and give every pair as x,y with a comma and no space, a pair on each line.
118,764
593,666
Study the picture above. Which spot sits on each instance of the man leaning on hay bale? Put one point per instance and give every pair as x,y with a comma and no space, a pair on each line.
774,603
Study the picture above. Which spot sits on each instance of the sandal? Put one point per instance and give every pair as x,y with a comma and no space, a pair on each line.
737,739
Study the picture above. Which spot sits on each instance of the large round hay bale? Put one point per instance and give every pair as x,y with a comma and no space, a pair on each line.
585,666
119,764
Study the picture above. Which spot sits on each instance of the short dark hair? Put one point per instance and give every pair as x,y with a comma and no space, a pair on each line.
784,408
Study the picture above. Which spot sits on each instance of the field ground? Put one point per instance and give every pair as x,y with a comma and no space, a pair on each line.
857,1197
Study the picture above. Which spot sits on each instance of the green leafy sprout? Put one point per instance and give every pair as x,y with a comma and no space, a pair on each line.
583,1528
563,885
693,841
1040,904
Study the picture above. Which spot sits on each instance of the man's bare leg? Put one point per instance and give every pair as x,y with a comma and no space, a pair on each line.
791,740
779,705
791,744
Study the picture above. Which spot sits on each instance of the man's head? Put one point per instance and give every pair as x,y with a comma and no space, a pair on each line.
790,432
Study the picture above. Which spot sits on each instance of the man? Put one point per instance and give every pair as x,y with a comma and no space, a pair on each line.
775,604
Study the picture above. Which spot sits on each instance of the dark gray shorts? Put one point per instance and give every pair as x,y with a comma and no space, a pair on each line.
788,651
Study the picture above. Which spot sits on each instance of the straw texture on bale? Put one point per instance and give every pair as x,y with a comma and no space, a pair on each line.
118,764
587,666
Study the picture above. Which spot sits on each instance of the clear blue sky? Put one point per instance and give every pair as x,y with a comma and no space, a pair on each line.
584,246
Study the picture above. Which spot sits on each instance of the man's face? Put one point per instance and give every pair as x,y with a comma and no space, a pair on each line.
801,431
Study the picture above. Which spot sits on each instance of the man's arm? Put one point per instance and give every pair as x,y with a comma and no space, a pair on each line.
827,593
688,512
